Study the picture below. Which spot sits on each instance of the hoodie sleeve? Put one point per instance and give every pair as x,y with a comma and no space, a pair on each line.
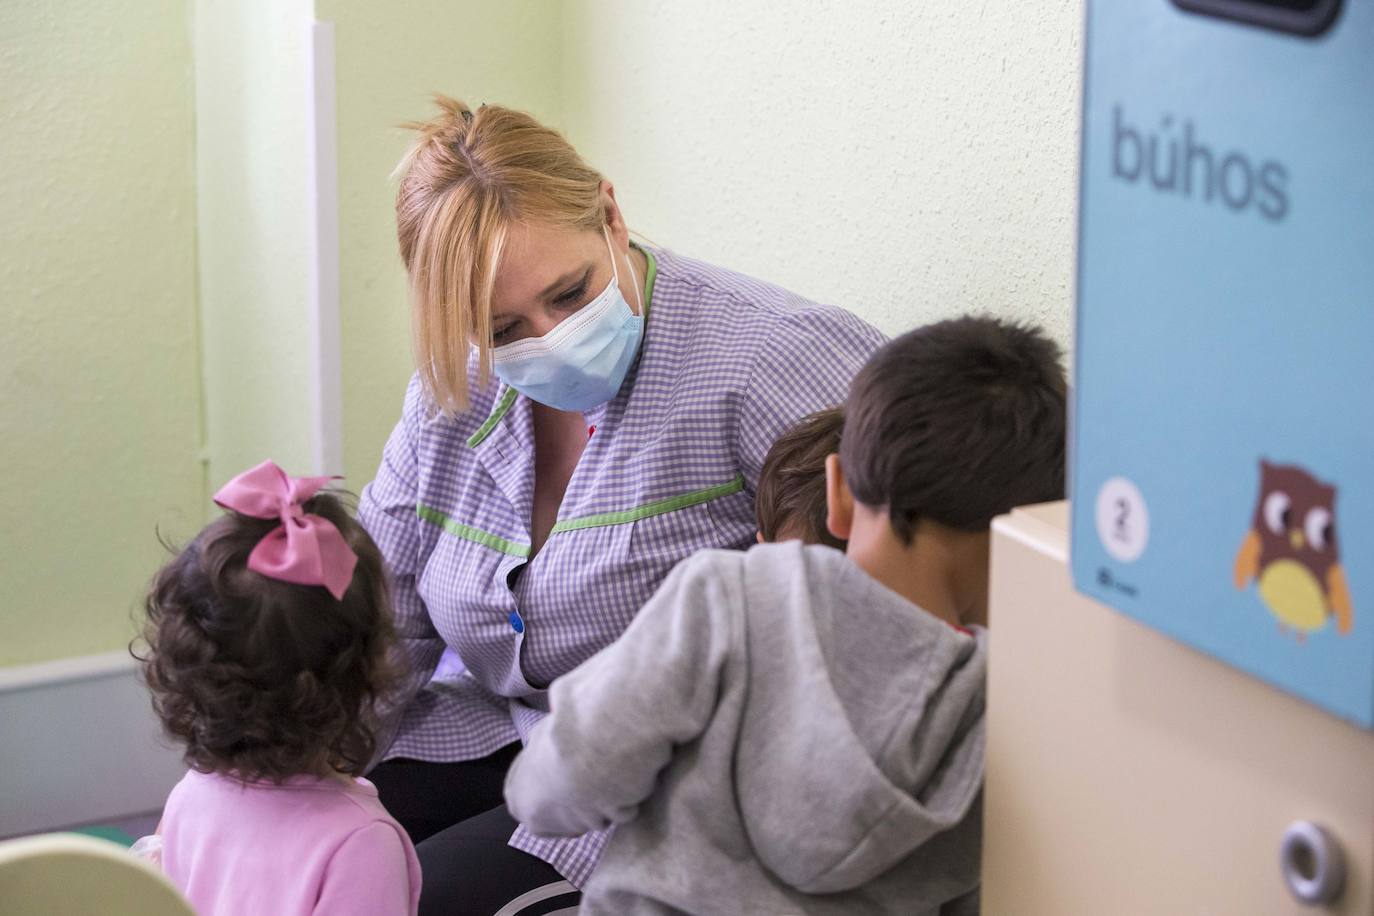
616,719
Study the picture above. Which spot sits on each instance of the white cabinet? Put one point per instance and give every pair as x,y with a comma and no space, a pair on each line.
1129,774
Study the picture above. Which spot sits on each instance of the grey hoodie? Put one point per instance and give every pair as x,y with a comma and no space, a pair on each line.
776,732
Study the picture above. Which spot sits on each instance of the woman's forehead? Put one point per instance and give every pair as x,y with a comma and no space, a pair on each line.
536,260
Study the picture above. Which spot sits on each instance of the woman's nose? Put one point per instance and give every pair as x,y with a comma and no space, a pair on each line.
539,325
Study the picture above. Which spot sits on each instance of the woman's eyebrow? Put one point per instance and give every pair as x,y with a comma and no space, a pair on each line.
565,280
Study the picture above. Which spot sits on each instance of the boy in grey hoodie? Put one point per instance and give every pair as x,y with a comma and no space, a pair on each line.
796,730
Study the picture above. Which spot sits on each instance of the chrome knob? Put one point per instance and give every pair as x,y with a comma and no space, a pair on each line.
1312,863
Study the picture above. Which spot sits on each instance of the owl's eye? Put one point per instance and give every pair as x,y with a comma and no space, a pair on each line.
1318,528
1276,514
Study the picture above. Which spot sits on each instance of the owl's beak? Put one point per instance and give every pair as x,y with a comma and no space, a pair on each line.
1296,539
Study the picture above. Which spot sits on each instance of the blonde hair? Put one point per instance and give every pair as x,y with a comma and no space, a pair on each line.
469,176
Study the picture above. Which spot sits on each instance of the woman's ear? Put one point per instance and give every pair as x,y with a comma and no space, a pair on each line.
839,502
615,220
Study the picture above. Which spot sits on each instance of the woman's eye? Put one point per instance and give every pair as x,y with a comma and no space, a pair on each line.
572,296
502,333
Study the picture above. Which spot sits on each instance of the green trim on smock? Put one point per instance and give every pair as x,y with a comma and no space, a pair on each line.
502,407
604,520
650,275
469,533
663,506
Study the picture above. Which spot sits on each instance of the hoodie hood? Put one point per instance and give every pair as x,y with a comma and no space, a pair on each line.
891,758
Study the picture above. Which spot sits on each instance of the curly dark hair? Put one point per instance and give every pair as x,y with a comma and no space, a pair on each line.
791,491
263,679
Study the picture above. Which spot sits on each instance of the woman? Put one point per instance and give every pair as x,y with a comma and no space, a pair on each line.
527,518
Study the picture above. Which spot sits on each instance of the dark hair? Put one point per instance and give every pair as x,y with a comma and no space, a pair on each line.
957,422
791,491
263,679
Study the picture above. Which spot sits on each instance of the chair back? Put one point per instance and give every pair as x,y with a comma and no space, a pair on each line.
80,876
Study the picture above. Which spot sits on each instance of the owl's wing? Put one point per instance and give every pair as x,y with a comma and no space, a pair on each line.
1338,592
1247,560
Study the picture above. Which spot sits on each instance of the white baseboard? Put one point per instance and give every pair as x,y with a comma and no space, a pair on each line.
79,743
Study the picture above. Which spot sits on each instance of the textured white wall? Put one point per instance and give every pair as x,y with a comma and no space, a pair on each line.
908,161
390,58
99,383
252,160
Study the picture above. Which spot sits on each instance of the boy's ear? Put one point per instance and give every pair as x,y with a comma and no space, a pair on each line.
839,502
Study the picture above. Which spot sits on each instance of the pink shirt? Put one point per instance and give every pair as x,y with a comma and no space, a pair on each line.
308,846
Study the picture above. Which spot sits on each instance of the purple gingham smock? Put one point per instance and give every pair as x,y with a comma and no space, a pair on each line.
727,364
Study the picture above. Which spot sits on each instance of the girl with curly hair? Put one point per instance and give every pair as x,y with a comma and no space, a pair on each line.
268,651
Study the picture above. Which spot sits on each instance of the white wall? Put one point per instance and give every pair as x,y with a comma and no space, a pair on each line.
99,373
390,58
252,120
908,161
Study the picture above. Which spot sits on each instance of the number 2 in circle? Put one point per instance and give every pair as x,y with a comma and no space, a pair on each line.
1123,513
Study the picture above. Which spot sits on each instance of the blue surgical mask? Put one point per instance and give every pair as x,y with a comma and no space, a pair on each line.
583,361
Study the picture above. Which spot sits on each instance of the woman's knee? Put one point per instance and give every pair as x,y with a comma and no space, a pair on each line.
471,869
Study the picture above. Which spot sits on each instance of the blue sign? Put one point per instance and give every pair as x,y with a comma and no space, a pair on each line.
1223,453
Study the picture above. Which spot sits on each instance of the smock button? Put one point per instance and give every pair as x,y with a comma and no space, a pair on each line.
516,623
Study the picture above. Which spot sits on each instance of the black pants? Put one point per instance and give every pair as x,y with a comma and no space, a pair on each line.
456,816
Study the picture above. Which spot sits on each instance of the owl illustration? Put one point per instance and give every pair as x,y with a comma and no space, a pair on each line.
1293,551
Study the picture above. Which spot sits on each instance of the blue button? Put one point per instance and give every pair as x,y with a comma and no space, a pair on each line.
516,623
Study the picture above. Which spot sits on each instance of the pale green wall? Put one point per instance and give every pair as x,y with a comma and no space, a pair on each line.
923,160
252,119
389,59
155,254
908,161
252,162
99,386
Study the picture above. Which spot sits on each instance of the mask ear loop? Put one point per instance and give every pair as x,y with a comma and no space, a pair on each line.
615,270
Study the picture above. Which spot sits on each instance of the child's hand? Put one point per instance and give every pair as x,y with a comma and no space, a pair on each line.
149,849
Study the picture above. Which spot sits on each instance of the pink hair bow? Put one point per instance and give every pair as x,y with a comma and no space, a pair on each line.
304,549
